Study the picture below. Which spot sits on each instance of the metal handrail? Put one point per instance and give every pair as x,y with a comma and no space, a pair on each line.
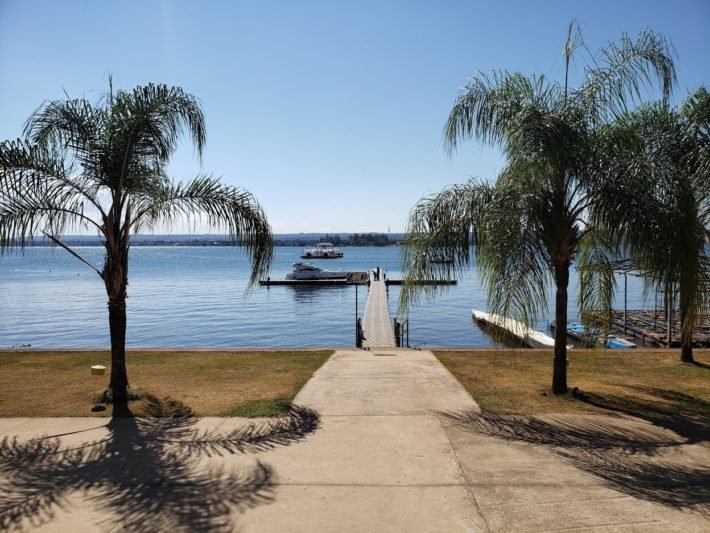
401,332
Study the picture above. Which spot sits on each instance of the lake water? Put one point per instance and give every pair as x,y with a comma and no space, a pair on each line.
195,297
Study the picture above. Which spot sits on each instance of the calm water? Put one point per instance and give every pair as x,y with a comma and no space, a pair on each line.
194,297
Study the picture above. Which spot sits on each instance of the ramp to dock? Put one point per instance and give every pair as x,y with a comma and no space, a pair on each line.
377,325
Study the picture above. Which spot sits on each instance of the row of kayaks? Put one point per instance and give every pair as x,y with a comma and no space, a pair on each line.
538,339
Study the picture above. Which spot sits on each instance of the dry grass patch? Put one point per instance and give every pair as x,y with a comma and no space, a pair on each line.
518,381
210,383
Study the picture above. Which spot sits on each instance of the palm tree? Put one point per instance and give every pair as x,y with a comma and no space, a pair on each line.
656,202
102,167
528,226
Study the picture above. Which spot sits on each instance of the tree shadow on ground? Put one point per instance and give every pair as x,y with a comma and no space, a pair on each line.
144,472
650,461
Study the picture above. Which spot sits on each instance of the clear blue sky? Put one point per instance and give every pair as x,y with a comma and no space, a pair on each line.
330,112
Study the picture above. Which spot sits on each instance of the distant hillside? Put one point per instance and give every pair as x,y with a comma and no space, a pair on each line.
280,239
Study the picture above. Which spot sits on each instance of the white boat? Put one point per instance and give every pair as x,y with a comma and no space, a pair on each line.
529,336
308,271
322,250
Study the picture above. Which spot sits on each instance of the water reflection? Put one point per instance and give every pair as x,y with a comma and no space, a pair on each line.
308,294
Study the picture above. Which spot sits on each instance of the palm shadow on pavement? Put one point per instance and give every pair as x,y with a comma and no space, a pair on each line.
143,472
640,450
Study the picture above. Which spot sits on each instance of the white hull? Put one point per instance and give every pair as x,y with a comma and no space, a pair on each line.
323,250
323,274
306,271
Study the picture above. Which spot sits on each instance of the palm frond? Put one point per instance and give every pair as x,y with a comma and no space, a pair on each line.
624,71
38,196
486,106
150,119
596,263
222,207
441,232
513,260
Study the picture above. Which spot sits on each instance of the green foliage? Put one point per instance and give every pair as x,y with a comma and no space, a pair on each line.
103,166
367,239
532,222
656,201
261,408
106,395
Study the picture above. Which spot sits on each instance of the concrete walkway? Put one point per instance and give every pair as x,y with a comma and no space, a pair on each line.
393,443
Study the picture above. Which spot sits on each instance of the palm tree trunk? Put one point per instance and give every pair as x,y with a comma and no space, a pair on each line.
115,275
559,362
119,376
686,329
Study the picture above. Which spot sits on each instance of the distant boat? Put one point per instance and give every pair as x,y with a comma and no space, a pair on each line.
322,250
528,336
305,271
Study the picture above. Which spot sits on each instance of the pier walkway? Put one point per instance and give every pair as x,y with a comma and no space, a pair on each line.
377,325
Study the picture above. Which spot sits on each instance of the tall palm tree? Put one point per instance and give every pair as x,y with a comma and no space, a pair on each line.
656,201
102,166
528,226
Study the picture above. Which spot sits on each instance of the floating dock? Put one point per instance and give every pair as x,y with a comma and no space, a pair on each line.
377,325
423,282
274,282
526,335
302,282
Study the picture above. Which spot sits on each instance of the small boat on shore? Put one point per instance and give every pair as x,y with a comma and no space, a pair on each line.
322,250
590,337
303,271
526,335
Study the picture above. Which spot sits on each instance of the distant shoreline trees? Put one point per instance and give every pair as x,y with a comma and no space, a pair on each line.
294,239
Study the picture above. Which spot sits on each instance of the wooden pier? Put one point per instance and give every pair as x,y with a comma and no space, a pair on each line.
377,325
652,327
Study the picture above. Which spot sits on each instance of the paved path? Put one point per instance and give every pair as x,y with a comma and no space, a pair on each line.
377,324
400,447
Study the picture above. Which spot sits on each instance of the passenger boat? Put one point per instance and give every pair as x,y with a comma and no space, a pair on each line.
322,250
309,271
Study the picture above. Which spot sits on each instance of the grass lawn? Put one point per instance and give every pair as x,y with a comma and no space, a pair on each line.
518,381
204,383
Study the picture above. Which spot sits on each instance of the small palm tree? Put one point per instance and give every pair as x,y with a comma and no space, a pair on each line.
656,202
528,227
102,167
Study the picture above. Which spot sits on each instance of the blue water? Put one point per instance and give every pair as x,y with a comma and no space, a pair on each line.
195,297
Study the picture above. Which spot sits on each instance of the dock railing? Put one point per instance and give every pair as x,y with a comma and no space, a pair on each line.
401,332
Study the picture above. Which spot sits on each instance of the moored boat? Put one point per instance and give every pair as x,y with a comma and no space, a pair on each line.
309,271
589,337
322,250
